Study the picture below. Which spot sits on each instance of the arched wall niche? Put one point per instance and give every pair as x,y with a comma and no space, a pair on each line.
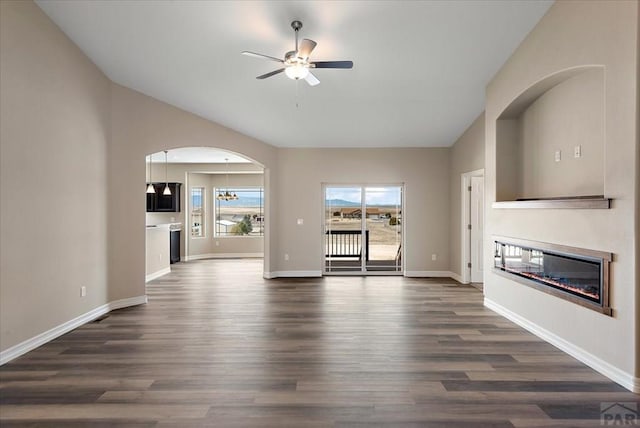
550,140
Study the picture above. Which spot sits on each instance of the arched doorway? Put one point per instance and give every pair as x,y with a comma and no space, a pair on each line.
214,207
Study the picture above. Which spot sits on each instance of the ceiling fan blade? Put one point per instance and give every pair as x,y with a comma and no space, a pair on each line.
332,64
312,80
273,73
257,55
305,48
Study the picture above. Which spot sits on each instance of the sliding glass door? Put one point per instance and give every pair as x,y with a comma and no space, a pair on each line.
362,229
383,223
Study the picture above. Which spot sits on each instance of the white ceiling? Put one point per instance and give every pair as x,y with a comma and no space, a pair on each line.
420,67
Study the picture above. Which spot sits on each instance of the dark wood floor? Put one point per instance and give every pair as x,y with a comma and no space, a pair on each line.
219,346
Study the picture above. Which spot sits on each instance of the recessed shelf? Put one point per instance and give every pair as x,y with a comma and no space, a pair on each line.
550,142
580,202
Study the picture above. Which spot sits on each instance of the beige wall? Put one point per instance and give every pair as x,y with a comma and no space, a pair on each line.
572,34
508,179
54,116
467,154
299,179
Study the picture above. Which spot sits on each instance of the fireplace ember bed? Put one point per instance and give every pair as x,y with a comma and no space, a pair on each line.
578,275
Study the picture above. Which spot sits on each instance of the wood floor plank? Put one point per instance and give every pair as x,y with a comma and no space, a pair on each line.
538,375
218,345
102,411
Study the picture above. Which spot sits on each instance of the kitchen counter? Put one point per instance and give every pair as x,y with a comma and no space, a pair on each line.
166,225
170,226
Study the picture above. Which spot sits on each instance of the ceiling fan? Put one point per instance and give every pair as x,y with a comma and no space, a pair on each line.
296,64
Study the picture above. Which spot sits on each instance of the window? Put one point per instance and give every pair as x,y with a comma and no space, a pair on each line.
240,217
197,211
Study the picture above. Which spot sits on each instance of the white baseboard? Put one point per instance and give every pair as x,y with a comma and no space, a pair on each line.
157,274
39,340
457,278
621,377
428,274
293,274
223,256
409,274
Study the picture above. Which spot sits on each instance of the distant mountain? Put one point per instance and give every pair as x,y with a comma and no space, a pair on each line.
350,204
255,202
342,203
242,202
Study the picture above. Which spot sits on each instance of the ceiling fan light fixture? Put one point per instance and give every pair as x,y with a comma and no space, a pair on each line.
296,63
296,71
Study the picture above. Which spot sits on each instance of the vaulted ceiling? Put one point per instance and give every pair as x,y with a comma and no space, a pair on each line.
419,75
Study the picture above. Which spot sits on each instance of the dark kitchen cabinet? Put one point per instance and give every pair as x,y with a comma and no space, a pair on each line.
157,202
174,246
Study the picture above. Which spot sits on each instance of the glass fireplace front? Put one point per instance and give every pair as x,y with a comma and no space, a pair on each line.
574,274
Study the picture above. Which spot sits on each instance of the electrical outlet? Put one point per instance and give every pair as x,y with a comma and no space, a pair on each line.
434,257
558,156
83,291
286,257
300,221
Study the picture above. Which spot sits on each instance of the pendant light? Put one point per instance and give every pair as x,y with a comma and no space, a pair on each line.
150,188
226,196
166,191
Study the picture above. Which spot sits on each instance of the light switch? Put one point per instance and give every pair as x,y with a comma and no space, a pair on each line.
300,221
558,155
577,151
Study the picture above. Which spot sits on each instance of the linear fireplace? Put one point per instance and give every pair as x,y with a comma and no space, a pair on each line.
578,275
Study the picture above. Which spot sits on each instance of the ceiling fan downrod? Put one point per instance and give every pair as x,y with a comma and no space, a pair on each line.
296,25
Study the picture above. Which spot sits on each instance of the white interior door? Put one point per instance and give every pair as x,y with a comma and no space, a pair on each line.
477,228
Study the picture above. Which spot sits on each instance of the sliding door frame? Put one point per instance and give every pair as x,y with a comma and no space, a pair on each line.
363,270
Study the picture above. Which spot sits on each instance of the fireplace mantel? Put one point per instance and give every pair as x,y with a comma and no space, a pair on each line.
580,202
